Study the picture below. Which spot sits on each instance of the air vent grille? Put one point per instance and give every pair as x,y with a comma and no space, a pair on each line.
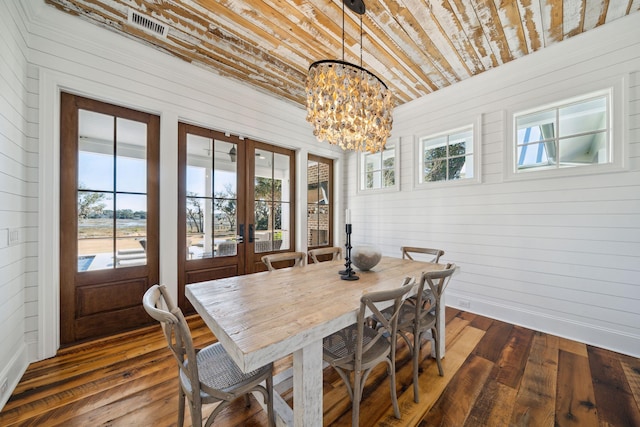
147,24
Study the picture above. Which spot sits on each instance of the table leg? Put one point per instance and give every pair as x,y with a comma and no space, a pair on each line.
307,385
441,330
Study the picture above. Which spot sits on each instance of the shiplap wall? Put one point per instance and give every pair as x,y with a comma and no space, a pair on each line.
17,193
560,255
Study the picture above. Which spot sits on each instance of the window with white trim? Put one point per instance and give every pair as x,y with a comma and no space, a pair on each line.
447,157
567,134
379,170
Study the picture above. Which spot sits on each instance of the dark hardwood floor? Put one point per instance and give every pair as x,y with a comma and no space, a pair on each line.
496,374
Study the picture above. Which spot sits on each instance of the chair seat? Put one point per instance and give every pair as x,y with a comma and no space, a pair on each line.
342,344
408,314
218,371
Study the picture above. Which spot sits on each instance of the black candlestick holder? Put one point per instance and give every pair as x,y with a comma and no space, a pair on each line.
348,273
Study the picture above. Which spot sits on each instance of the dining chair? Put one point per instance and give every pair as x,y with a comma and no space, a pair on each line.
433,255
334,251
271,259
359,347
208,375
416,317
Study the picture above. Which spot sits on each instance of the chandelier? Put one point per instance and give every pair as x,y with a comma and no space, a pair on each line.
348,105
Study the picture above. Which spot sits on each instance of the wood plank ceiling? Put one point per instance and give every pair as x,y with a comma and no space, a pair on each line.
414,46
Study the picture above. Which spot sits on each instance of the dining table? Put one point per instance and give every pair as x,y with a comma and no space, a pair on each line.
263,317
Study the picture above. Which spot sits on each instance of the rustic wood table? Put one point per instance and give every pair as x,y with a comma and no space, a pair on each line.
260,318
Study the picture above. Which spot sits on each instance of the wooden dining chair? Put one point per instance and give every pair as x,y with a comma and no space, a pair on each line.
417,317
208,375
359,348
432,255
334,251
283,260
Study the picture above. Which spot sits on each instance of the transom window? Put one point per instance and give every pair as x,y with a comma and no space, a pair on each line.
379,170
567,134
447,157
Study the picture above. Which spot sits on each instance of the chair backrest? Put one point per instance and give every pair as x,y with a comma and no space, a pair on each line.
434,254
158,304
388,324
296,257
334,251
437,281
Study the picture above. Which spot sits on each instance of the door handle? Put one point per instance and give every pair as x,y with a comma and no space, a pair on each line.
251,236
240,236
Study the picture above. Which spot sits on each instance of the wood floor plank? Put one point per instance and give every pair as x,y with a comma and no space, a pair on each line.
614,400
575,401
454,405
494,405
494,341
631,368
536,398
514,356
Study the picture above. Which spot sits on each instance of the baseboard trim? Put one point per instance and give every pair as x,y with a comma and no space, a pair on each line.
13,372
566,328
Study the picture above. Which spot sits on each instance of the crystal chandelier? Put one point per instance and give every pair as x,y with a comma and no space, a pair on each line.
348,105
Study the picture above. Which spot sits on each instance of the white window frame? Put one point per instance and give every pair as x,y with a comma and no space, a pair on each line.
614,90
475,127
395,142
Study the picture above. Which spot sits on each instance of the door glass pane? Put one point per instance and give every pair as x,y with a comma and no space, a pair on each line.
95,230
95,151
211,189
131,159
131,230
271,188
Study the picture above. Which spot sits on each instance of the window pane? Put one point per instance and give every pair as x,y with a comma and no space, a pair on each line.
225,168
281,173
131,229
461,143
369,180
376,178
95,231
282,219
586,149
539,119
389,178
312,224
435,171
583,117
96,149
435,148
533,154
195,227
372,162
131,160
199,163
456,166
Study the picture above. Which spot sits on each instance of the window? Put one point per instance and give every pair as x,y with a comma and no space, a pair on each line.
568,134
447,157
319,201
379,170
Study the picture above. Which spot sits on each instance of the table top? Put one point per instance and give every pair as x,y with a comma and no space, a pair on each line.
262,317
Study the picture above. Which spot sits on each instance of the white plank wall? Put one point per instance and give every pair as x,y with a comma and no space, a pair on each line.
557,254
17,215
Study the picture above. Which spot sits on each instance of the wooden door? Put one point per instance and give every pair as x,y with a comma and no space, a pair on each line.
231,205
108,217
211,205
271,202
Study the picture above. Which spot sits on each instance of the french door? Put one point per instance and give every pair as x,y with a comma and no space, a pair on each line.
236,204
108,217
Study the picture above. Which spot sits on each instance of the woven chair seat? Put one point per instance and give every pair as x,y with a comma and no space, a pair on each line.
343,344
218,371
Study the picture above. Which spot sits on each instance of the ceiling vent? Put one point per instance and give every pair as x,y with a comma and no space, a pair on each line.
147,24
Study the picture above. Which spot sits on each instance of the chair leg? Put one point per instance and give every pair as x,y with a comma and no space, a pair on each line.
436,342
394,394
181,399
416,366
355,402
